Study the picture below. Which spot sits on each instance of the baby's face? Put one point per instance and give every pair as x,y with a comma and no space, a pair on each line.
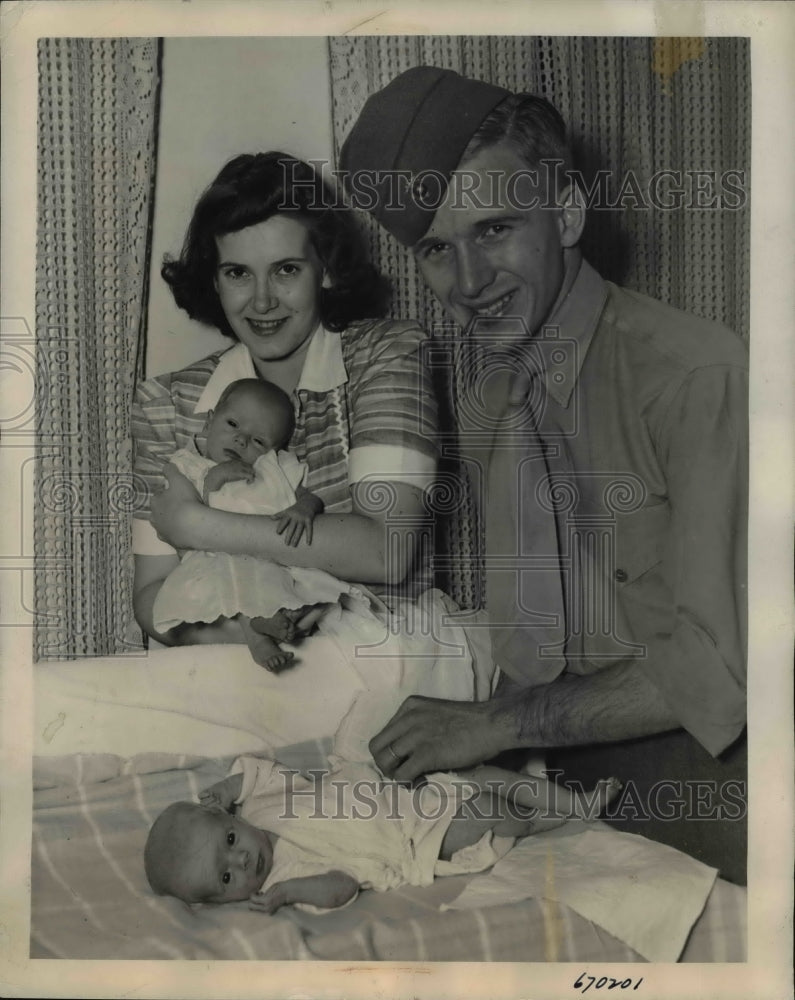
243,427
225,859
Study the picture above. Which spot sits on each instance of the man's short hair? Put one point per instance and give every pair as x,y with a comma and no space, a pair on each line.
535,129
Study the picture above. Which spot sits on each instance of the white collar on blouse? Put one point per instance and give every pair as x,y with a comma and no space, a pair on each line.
323,369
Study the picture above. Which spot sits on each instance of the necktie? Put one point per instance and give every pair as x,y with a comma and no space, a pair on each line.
524,593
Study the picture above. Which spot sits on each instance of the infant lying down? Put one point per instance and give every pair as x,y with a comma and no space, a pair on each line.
268,835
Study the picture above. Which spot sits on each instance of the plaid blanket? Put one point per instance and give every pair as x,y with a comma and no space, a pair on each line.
90,898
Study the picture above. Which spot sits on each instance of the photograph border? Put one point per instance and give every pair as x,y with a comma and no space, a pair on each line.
767,974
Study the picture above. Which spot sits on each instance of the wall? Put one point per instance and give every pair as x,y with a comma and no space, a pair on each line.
220,97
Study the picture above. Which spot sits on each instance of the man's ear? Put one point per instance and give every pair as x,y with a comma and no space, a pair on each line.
571,220
207,420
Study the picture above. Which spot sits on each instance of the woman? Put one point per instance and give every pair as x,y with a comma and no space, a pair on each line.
273,261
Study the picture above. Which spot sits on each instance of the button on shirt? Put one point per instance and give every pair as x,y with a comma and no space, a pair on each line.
645,431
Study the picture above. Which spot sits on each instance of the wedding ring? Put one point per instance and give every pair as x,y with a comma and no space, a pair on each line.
390,748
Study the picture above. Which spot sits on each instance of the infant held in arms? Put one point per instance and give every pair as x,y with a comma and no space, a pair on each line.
242,467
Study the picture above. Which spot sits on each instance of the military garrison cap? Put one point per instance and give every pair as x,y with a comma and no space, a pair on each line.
407,141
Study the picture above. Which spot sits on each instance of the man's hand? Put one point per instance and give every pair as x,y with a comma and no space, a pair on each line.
296,522
171,507
233,471
428,734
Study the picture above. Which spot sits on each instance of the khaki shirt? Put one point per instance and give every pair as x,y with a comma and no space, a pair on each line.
645,430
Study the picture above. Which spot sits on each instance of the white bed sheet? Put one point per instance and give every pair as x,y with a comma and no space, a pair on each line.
215,701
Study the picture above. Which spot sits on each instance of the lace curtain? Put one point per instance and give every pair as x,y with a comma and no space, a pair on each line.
634,106
98,102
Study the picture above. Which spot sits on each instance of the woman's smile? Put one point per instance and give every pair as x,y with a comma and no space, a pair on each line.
264,327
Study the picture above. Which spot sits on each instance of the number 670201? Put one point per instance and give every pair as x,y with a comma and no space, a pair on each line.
584,982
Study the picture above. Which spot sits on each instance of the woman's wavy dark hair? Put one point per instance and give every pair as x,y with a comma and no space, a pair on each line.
250,189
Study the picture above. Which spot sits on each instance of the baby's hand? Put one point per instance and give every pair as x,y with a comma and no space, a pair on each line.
233,471
222,793
271,900
296,521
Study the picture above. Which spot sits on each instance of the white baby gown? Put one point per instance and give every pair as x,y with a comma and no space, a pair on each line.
207,585
353,820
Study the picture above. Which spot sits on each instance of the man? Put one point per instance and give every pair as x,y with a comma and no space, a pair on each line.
647,424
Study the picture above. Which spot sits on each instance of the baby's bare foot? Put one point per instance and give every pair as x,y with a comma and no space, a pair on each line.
265,650
280,627
276,663
268,654
303,620
311,617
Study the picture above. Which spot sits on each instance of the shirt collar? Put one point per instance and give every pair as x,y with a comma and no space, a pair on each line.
573,323
324,369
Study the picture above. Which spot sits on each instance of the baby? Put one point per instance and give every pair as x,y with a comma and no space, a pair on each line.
242,467
271,836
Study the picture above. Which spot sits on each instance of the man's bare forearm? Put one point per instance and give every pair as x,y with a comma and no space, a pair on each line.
617,703
432,734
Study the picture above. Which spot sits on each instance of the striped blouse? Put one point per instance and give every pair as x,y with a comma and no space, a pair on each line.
364,406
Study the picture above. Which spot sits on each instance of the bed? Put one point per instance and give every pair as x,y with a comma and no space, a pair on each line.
90,899
119,739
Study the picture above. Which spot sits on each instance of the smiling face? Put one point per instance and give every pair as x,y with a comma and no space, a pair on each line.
493,257
268,281
222,859
247,423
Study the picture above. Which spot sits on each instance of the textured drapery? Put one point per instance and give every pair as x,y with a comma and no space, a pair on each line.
639,105
98,102
635,107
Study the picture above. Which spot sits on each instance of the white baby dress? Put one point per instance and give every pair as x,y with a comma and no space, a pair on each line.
207,585
351,819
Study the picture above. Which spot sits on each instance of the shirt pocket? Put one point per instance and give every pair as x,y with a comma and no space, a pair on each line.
640,542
